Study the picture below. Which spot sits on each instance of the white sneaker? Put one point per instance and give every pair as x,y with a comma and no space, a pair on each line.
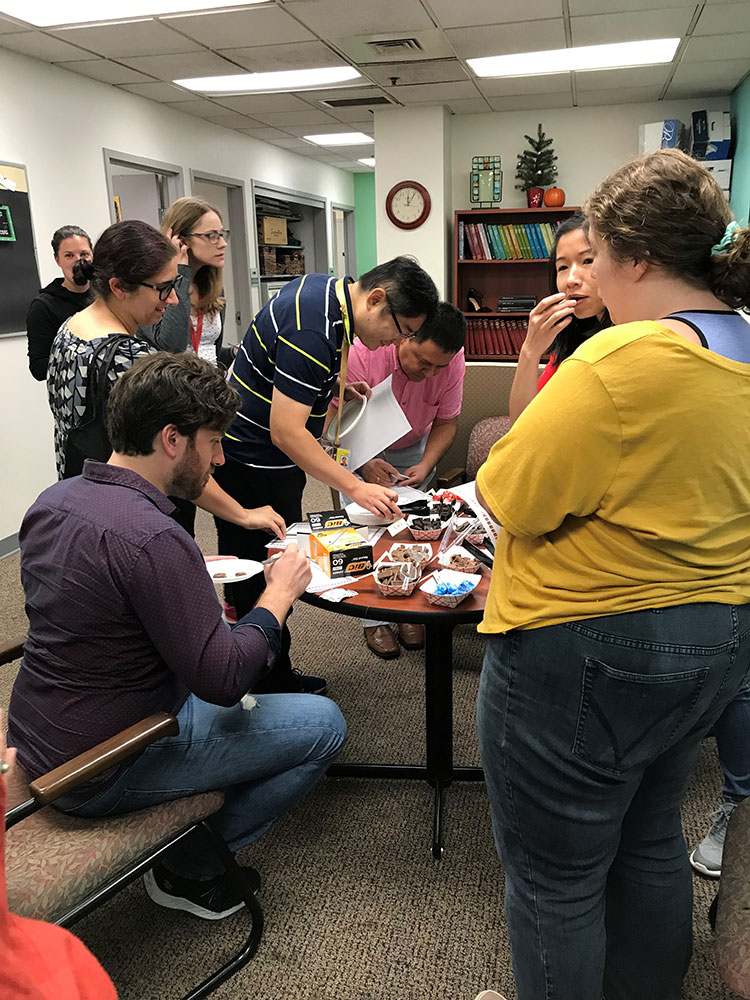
706,858
489,995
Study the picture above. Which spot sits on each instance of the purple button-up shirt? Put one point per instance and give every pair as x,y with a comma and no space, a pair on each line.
124,620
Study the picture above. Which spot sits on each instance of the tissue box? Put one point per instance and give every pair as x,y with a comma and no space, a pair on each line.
336,546
668,134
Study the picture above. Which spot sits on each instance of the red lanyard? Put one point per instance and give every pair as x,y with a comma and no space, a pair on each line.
195,335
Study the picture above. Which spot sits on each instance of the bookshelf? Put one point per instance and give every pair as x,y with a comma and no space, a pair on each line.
500,333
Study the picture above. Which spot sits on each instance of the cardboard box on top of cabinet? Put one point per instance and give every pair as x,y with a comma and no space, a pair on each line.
668,134
712,135
722,171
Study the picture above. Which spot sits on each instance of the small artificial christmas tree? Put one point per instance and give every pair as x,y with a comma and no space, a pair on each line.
536,167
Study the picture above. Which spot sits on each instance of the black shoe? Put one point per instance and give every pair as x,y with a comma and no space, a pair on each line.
307,683
211,899
287,680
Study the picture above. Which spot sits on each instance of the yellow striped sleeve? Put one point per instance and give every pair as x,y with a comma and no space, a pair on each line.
299,320
290,344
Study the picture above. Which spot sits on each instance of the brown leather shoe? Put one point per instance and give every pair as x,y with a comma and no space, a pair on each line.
411,636
382,642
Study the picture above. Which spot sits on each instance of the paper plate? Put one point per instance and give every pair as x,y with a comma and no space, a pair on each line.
350,417
233,570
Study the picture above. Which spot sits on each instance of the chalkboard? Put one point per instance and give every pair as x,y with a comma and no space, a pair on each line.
19,274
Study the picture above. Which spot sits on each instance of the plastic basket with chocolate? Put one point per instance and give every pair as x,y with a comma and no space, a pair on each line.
396,579
419,554
462,520
459,559
447,588
425,529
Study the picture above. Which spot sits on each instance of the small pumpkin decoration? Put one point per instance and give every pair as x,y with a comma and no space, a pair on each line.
554,197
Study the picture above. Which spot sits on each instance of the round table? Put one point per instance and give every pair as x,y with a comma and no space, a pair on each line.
439,623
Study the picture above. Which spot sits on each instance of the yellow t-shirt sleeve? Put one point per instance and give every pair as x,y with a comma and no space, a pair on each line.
558,459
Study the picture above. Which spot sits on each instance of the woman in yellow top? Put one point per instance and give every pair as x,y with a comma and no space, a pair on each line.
619,609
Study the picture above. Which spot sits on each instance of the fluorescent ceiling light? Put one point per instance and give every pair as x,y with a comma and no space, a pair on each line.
369,161
266,83
618,55
339,139
45,13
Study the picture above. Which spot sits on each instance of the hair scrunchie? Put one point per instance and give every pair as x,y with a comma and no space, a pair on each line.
726,241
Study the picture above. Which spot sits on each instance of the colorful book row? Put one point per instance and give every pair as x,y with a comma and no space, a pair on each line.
514,241
494,336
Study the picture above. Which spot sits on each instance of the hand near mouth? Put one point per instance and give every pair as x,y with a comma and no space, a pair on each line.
546,319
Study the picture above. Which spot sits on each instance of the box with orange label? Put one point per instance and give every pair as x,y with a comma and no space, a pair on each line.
337,547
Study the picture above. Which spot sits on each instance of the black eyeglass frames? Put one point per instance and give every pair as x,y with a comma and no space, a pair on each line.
395,320
164,290
213,236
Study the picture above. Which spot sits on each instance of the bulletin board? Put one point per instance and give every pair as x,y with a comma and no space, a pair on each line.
19,273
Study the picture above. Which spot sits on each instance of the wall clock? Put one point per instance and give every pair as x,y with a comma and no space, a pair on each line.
408,204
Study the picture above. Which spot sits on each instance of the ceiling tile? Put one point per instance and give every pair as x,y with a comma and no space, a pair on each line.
254,26
276,137
707,78
718,47
326,17
429,71
252,104
454,15
434,93
7,26
266,58
165,93
232,121
368,49
472,106
498,40
45,47
593,29
723,18
530,102
621,95
510,86
616,6
609,79
105,71
180,67
201,109
133,38
305,116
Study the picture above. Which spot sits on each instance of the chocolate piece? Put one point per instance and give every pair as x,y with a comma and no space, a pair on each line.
462,563
219,576
426,524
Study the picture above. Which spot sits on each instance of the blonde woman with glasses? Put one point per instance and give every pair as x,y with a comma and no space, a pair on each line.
197,321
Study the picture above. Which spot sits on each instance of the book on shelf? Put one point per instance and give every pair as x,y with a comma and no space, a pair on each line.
461,236
483,241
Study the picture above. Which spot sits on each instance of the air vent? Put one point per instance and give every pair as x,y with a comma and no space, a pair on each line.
356,102
395,47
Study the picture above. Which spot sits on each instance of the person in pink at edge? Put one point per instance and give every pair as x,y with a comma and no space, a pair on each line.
428,383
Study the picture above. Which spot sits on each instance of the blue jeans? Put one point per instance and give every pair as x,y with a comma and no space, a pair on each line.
264,760
588,733
732,733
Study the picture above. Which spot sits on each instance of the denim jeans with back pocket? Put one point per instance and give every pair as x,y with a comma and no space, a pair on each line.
589,731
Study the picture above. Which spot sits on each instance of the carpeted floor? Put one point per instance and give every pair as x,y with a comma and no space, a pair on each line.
356,909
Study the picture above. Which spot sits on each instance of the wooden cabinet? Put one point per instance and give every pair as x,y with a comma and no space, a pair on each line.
497,335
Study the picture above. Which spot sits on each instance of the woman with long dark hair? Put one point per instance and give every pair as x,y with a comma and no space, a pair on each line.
559,323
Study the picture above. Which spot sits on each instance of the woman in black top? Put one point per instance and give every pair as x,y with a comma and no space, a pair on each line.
60,299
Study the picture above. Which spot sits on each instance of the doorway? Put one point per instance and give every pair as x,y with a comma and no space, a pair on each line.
228,198
140,188
344,256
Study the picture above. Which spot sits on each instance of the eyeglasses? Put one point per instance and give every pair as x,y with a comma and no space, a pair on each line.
213,236
165,289
395,320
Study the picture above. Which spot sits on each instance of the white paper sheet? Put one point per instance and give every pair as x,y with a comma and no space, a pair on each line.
382,423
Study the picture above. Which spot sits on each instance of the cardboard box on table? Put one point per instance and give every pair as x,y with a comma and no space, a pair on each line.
336,546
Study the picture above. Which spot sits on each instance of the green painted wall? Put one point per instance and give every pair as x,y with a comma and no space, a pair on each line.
364,219
740,191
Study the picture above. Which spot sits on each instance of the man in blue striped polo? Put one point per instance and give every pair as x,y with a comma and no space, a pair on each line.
286,372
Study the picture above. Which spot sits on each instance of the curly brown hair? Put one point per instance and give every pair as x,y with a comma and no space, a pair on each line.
667,209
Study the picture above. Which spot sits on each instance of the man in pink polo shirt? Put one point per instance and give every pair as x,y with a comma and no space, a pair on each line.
428,379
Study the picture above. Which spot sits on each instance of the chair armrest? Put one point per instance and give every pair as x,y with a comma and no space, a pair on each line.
90,763
451,477
11,649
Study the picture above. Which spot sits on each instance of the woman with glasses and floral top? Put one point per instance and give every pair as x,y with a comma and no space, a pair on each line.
196,321
135,279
